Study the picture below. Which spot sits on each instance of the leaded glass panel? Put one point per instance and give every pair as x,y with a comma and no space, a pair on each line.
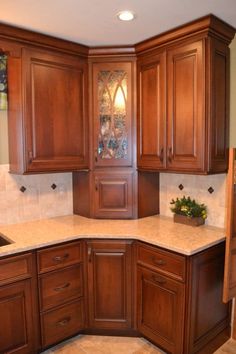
112,103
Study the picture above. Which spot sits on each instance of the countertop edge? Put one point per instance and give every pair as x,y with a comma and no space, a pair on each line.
23,249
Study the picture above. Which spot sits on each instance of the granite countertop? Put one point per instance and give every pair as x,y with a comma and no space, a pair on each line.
156,230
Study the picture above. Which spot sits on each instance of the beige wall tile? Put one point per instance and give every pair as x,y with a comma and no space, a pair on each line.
38,201
196,187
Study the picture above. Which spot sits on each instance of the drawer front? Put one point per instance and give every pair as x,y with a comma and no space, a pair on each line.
163,261
61,286
59,324
58,257
15,268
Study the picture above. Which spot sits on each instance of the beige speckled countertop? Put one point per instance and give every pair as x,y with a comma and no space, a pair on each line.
157,230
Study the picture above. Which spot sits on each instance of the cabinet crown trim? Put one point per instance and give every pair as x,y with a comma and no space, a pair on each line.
209,24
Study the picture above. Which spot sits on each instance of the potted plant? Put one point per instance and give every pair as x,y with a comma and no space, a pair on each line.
188,211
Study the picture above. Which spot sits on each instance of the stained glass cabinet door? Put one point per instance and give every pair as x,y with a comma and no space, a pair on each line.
112,114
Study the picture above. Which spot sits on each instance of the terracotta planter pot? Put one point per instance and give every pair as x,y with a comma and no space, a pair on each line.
182,219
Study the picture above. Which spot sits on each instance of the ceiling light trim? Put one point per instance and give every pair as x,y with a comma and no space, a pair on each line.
126,15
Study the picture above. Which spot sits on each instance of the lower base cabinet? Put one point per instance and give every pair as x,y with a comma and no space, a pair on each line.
179,300
61,292
121,287
18,306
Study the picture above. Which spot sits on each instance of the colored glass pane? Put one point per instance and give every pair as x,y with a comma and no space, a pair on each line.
112,100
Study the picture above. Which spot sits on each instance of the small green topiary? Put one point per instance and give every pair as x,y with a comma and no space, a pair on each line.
188,207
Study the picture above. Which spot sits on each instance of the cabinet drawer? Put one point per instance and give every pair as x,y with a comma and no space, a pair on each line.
165,262
61,323
61,286
15,268
58,257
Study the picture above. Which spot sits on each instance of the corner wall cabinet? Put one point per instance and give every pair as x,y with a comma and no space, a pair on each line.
109,190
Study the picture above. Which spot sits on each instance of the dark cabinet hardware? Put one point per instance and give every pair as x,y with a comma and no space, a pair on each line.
158,279
90,254
62,287
158,261
60,258
64,322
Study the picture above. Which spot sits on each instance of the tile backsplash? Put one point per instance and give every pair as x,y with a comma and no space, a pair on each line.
196,187
38,201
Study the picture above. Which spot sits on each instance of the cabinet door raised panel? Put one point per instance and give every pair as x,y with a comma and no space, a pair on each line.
186,107
113,194
161,310
152,112
54,111
110,286
17,320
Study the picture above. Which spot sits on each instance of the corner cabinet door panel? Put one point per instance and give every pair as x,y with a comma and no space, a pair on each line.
161,310
152,112
55,111
113,194
186,116
110,284
112,113
17,324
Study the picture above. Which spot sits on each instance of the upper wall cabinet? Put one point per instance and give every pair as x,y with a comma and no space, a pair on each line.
50,131
183,99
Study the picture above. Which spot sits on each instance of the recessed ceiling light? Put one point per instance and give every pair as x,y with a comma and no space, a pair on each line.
126,15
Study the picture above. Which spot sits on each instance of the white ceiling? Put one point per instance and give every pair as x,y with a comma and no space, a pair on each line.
94,22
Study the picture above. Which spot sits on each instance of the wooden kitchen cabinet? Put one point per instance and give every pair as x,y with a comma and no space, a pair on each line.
18,305
111,183
52,125
110,285
113,189
183,99
179,299
61,292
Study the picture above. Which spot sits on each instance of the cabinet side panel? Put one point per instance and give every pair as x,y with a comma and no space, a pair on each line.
218,106
81,194
209,316
148,194
15,119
